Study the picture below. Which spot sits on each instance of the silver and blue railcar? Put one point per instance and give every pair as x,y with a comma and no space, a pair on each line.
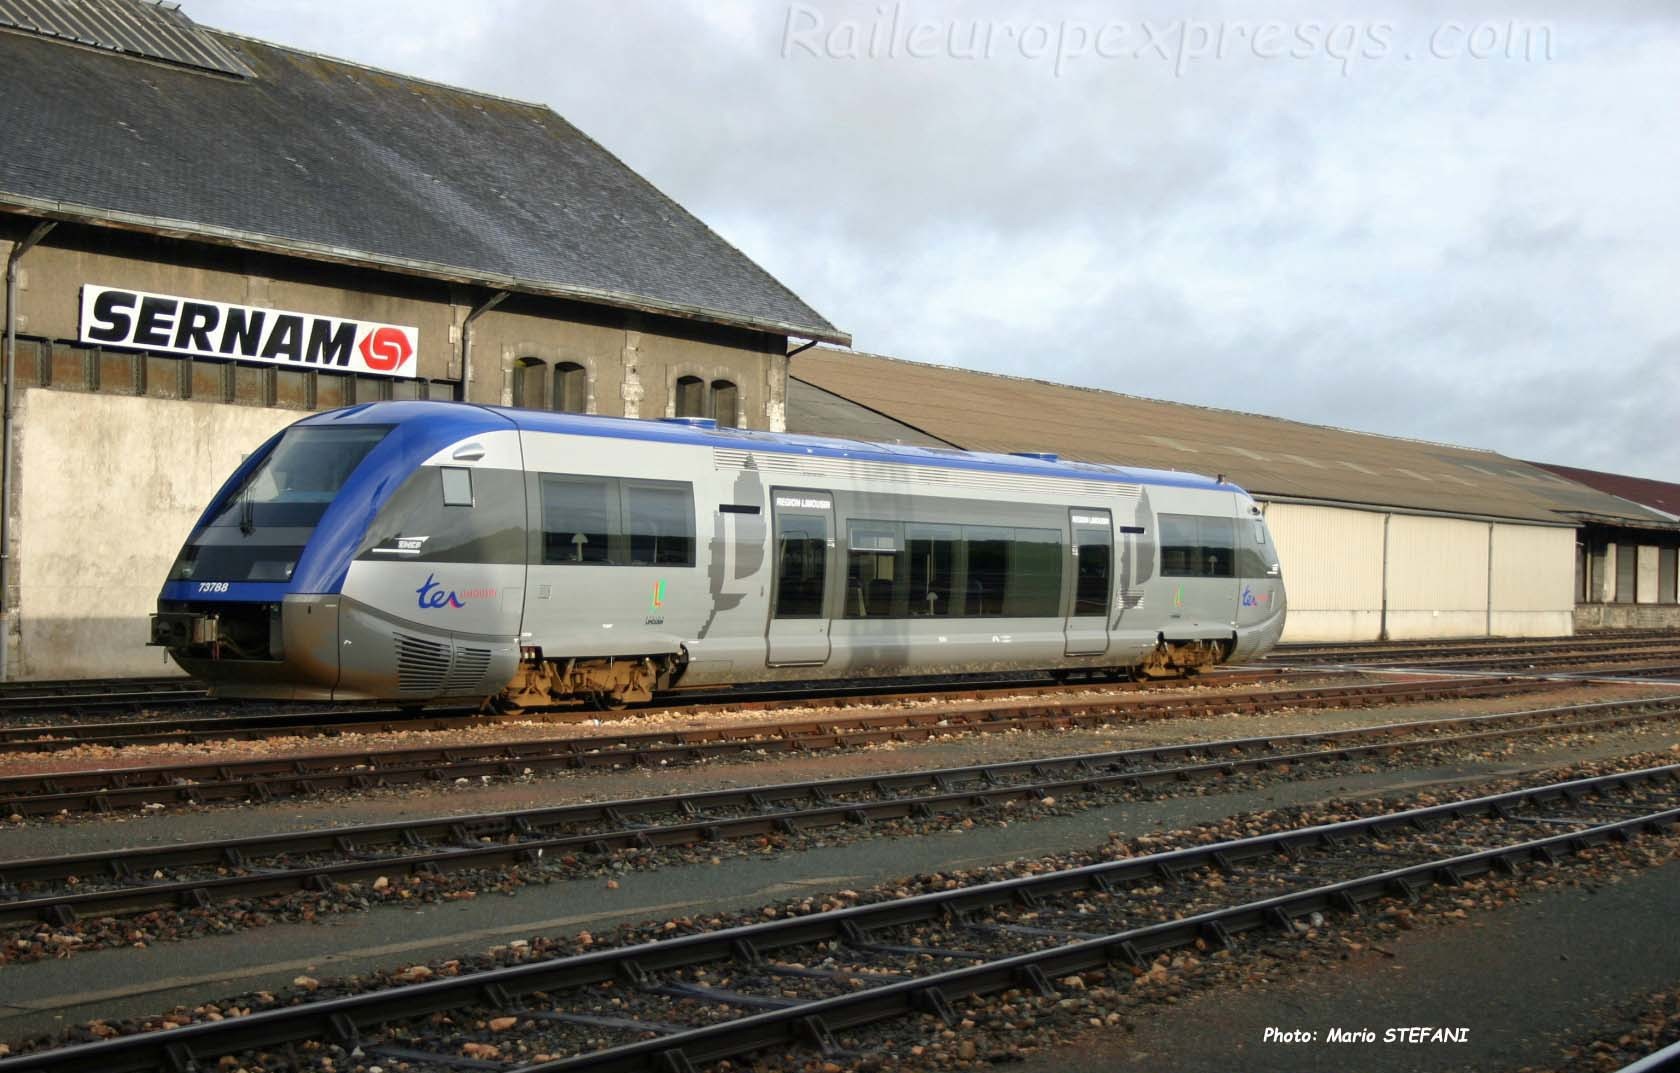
414,551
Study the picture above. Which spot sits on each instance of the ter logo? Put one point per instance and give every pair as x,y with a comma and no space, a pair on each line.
385,349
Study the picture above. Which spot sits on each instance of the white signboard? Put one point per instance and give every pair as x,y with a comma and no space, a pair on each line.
112,316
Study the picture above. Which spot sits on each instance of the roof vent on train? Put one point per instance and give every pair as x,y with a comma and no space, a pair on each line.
692,422
1042,456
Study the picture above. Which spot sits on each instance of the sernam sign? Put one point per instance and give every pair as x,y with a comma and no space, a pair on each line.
112,316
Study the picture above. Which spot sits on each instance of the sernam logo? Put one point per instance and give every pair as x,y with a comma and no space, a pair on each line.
112,316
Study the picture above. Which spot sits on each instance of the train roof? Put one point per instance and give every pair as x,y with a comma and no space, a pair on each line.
470,418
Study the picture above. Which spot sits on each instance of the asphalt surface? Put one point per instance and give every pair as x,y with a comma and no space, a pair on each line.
1522,982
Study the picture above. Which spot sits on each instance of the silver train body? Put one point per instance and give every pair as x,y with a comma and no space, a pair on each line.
458,551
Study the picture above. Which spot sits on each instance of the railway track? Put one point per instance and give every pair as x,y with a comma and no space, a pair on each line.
811,980
299,722
61,889
70,695
1382,653
199,782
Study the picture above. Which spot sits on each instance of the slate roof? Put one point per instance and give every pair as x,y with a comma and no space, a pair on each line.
1269,456
1658,495
323,158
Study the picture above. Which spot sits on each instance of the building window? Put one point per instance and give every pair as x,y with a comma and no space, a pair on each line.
724,395
529,378
571,388
691,397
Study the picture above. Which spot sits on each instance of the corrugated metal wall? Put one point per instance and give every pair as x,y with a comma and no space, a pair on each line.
1440,579
1332,568
1437,577
1533,581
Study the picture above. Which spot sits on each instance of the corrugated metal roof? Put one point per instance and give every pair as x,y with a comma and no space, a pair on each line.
322,158
1658,495
153,30
1266,455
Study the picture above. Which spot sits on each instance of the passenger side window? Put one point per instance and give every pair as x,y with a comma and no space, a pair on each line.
875,570
606,521
660,520
580,519
1197,546
896,570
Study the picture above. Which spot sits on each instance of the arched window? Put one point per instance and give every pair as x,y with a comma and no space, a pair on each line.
723,403
691,397
529,379
571,388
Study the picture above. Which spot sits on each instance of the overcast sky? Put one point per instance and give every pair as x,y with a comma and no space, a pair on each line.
1446,221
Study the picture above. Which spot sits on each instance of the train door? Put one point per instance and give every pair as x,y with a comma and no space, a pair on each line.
804,542
1093,582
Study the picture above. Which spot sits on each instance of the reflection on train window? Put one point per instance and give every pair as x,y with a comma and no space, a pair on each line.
1255,557
660,521
580,516
604,520
968,571
801,566
1194,546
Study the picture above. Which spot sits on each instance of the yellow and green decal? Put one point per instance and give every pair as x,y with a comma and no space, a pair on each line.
658,594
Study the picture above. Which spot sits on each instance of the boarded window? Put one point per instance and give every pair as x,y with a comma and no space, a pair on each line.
1666,561
530,377
1627,572
571,388
724,403
691,397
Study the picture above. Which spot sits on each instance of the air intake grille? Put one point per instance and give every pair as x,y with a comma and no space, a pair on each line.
1130,599
922,476
422,666
467,675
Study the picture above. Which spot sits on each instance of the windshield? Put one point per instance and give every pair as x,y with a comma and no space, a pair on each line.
297,480
257,531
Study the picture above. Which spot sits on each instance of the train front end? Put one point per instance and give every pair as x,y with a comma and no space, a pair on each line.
296,583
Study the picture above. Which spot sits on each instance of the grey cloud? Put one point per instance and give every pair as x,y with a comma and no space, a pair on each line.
1477,252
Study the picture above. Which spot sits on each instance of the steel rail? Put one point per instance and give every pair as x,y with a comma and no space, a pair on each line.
198,782
366,720
1477,645
774,809
344,1018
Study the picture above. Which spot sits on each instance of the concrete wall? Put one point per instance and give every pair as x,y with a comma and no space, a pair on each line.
1440,577
108,487
1627,616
